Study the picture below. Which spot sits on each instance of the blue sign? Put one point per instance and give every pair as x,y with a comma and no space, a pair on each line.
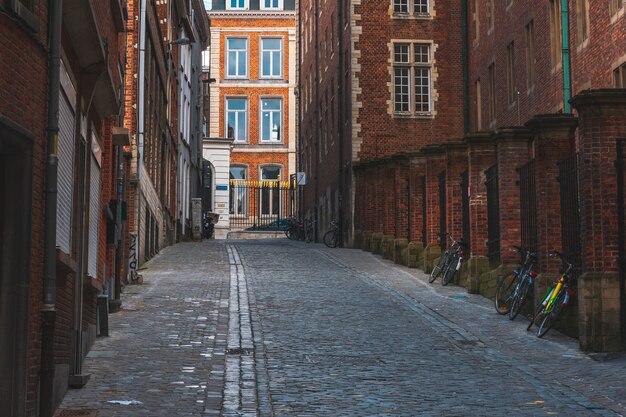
221,187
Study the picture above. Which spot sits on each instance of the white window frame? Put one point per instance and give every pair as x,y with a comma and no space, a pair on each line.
413,67
270,192
246,5
270,7
410,6
262,51
237,51
247,118
282,119
243,191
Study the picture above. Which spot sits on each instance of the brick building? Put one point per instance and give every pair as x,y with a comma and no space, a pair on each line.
252,102
495,122
60,80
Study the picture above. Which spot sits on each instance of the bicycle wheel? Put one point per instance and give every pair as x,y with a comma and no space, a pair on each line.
436,271
504,293
519,297
551,315
330,239
450,270
292,233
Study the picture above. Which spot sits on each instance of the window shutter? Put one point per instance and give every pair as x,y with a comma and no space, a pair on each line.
65,175
94,217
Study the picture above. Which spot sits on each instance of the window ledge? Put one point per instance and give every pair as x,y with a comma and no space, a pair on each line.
402,16
26,16
413,116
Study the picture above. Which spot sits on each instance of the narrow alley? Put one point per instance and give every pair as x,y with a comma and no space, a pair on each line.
281,328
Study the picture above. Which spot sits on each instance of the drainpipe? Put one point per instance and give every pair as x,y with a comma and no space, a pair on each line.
48,309
316,121
340,93
299,194
140,114
466,117
567,80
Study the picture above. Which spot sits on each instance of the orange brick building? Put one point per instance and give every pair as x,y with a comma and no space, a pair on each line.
252,102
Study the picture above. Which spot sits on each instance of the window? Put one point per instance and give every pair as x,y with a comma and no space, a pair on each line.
530,54
489,13
271,4
271,119
236,58
271,57
510,73
411,78
236,4
238,191
555,33
619,76
411,7
582,21
270,196
24,10
492,92
476,20
615,6
479,103
237,119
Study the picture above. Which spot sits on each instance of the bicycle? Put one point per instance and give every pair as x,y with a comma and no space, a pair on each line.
512,290
555,300
295,230
449,262
331,238
309,230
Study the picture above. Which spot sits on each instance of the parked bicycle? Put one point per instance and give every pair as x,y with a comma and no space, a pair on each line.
513,289
450,261
331,238
295,229
556,300
309,230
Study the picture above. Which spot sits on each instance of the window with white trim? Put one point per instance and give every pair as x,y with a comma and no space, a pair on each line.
271,4
271,57
412,78
271,119
238,190
411,7
237,119
236,58
237,5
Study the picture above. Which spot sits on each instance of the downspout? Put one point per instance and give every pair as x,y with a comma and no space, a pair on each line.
464,58
48,309
340,92
140,116
567,77
316,121
299,147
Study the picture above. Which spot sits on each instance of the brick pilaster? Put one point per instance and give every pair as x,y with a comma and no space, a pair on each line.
456,163
602,120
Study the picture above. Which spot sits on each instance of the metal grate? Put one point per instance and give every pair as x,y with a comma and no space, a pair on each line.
423,181
570,210
443,242
261,205
465,206
75,413
493,215
528,206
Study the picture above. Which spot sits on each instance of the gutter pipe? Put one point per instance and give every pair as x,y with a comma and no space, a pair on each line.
340,93
140,114
48,308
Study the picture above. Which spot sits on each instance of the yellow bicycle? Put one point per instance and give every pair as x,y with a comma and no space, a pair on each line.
556,300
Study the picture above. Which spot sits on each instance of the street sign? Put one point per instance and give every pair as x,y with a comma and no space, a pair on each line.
301,178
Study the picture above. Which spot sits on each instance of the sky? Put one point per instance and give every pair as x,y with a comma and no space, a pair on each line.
208,4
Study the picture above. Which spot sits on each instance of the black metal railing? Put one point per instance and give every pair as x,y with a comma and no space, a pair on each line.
570,210
443,242
261,205
493,215
465,206
424,205
621,226
528,205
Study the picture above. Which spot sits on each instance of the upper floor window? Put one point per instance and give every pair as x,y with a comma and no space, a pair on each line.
271,57
271,119
271,4
619,76
510,73
615,6
490,15
411,7
236,58
411,78
530,54
582,20
237,119
556,39
237,4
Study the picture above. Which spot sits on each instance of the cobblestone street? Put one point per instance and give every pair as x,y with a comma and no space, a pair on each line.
281,328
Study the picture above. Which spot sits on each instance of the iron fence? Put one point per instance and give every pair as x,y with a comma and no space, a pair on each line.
528,205
261,205
621,225
493,215
570,210
443,242
465,205
423,181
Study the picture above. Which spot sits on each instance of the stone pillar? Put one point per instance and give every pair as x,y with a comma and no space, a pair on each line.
553,141
481,155
512,150
602,119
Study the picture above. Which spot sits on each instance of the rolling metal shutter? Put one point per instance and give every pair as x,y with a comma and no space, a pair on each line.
66,175
94,216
